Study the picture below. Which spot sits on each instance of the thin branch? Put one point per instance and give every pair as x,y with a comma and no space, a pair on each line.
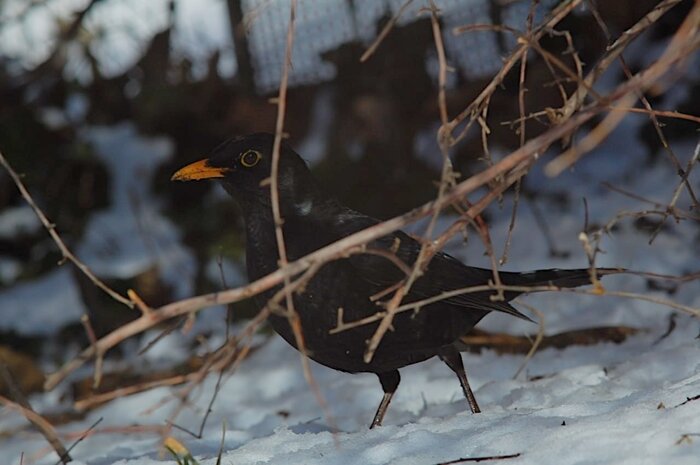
684,174
487,458
675,211
590,141
419,304
685,42
477,105
663,113
538,339
51,228
44,427
99,357
446,179
521,109
83,435
99,399
612,53
291,313
657,126
385,32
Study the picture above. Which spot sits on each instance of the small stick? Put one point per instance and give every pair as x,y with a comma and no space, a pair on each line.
538,339
99,356
51,228
44,427
140,304
291,313
480,459
385,32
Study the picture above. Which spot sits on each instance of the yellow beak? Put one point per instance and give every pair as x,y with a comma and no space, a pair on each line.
199,170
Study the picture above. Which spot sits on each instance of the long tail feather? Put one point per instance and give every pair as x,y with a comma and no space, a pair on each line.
555,277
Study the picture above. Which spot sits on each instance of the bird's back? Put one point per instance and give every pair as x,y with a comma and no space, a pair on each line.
351,284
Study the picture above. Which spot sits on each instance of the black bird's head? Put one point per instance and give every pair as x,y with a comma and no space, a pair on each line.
243,165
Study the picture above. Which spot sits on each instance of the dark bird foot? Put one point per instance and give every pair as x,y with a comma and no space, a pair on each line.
390,381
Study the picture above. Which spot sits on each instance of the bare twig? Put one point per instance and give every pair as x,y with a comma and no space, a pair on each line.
83,435
99,357
101,398
51,228
687,401
663,113
657,127
138,301
44,427
487,458
591,140
476,106
538,339
446,179
385,32
677,192
685,41
612,53
521,132
291,313
413,306
675,211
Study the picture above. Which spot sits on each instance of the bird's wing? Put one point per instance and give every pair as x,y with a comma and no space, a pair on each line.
444,273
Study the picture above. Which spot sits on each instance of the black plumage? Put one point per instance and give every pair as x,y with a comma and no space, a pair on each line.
312,220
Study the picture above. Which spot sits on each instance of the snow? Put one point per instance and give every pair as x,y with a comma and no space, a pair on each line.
42,306
18,220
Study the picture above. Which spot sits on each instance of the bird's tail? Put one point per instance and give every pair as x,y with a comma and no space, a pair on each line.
555,277
552,277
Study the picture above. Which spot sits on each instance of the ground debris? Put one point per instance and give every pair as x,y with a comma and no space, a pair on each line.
478,340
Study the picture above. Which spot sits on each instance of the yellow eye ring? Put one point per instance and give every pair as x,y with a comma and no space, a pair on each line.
250,158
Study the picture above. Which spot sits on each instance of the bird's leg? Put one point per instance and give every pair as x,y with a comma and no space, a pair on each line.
453,359
390,381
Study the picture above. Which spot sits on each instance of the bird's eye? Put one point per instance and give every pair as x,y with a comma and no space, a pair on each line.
250,158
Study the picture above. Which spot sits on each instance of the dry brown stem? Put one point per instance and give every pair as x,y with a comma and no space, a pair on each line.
291,313
385,32
103,397
446,179
44,427
612,53
504,343
684,42
481,101
51,228
537,342
417,305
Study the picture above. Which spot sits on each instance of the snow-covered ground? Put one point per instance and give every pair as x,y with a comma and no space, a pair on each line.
598,404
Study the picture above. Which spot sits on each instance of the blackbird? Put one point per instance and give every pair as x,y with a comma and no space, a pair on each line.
311,220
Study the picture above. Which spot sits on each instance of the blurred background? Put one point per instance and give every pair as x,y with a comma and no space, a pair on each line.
102,100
